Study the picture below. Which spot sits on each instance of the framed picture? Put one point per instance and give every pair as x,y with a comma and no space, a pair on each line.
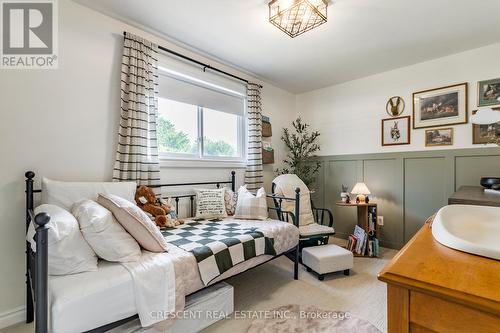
488,93
440,106
396,131
483,134
439,137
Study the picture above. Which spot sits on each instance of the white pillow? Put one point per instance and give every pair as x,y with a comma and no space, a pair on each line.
210,203
69,253
65,194
104,234
251,207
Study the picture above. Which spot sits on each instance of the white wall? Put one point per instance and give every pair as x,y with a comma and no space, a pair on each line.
63,124
348,115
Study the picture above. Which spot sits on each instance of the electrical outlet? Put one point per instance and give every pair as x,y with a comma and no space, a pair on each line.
380,220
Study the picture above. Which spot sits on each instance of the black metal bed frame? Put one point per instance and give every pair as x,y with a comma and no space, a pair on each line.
37,262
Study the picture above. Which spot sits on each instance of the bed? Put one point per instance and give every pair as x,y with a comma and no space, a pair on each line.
106,299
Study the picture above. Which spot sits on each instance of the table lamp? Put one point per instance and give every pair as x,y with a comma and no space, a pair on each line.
361,191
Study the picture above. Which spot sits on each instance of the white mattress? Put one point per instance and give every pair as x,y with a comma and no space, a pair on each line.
81,302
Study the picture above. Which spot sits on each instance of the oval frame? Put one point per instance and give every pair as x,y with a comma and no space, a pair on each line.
388,107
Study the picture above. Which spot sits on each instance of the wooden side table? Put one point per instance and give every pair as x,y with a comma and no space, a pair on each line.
364,210
363,213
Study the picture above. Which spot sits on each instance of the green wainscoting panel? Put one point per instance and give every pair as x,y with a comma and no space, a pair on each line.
483,166
425,191
318,196
336,174
380,177
408,186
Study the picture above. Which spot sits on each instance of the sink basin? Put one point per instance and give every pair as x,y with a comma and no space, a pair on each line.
472,229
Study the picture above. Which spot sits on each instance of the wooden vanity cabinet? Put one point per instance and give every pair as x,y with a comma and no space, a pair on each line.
432,288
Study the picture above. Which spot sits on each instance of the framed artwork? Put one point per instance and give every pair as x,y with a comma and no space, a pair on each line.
488,93
483,134
439,137
440,106
395,106
396,131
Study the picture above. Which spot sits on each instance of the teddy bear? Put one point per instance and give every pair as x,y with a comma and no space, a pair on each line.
161,210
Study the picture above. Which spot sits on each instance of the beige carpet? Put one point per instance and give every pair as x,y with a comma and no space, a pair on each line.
271,285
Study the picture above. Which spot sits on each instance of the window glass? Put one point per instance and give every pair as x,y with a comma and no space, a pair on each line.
177,127
220,133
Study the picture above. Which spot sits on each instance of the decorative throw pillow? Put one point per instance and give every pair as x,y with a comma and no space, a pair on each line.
230,200
210,203
135,221
251,207
69,253
104,234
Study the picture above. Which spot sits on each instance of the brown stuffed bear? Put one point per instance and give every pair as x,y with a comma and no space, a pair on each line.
145,198
161,209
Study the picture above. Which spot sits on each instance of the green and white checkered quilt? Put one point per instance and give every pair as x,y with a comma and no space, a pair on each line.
218,246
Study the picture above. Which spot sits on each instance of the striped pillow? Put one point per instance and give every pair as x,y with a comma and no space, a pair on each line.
251,207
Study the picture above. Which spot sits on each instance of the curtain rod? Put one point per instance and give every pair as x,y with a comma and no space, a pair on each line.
205,66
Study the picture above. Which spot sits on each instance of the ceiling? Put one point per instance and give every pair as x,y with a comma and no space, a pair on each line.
361,37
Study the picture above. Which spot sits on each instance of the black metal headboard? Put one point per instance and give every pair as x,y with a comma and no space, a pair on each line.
192,196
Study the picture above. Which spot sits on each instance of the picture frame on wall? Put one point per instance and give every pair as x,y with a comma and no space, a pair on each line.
439,137
483,134
396,131
440,106
488,93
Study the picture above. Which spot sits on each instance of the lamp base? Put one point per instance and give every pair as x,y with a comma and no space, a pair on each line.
361,198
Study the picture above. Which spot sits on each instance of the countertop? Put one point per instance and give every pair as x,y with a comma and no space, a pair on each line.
474,195
425,265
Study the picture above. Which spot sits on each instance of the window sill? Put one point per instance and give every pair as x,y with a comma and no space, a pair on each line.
189,163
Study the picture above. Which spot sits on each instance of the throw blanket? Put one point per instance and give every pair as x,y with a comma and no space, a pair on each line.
153,277
218,246
285,186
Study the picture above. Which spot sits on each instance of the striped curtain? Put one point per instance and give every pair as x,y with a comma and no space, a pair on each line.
253,173
137,151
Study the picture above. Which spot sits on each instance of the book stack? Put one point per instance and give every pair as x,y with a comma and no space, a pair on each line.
363,243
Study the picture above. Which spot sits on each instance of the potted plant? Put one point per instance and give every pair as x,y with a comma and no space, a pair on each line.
302,146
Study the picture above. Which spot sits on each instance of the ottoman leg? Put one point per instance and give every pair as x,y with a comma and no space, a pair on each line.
346,272
321,277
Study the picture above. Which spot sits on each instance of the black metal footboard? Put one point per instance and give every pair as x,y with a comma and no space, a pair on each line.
286,216
36,263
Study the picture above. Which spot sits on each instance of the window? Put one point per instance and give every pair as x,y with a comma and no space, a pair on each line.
199,119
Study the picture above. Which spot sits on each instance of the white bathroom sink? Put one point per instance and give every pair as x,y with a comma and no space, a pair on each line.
472,229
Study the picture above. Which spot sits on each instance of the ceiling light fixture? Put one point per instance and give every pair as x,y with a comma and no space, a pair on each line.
294,17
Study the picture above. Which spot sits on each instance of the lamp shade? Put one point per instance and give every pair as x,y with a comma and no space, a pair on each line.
485,116
360,188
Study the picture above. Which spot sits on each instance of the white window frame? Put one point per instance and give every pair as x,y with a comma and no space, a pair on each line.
199,160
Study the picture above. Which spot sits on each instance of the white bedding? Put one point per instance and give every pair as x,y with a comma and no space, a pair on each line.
88,300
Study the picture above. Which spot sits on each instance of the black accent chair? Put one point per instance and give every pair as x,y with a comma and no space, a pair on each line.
323,217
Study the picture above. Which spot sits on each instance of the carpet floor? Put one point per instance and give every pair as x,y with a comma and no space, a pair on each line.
271,285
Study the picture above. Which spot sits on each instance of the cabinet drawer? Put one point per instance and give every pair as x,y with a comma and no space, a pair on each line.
444,316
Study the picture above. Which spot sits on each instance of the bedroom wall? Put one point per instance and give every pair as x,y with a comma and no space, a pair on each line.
408,182
348,115
62,124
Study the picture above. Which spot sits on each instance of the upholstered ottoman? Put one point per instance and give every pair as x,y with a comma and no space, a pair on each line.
328,258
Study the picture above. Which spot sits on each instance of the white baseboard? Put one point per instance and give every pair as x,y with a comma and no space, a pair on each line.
12,317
